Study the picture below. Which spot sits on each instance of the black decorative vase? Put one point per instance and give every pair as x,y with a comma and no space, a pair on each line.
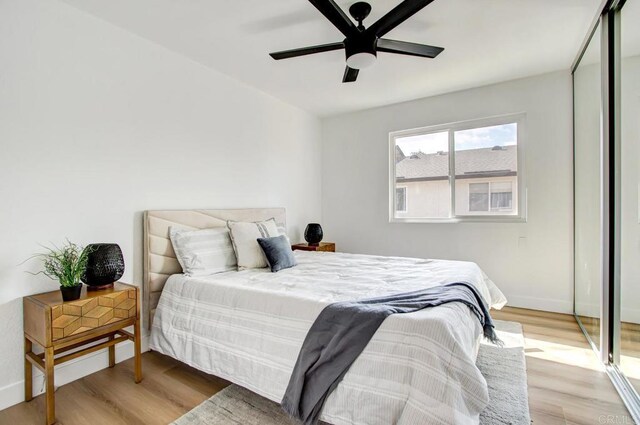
71,293
105,266
313,233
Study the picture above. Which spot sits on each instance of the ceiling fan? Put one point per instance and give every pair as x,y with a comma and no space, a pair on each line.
362,44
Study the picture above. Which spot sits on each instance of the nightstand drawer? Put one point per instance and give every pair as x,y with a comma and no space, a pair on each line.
75,317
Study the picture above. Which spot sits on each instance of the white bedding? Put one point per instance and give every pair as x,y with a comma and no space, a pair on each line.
248,327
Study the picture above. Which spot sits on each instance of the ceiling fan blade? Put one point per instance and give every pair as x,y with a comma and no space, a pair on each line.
285,54
396,16
338,18
406,48
350,75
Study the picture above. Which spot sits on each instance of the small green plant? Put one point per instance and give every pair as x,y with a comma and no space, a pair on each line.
66,264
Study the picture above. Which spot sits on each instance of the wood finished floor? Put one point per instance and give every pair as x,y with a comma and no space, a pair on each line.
566,384
629,347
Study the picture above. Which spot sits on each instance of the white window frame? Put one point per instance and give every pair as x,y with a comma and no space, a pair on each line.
406,201
521,217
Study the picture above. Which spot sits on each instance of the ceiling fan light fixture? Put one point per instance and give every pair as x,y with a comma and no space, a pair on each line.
361,60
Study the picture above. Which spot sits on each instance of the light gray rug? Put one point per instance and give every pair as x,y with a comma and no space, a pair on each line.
503,368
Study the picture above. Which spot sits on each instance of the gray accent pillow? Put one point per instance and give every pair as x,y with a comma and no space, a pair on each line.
278,252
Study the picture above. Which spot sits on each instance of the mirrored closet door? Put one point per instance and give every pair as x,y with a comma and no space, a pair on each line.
629,349
606,82
587,92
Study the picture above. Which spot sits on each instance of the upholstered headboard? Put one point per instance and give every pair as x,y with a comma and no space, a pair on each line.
159,258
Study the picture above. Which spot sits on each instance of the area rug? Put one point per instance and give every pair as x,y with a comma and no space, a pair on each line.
503,368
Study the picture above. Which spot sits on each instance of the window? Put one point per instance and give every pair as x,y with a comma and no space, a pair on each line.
478,196
455,172
401,199
500,194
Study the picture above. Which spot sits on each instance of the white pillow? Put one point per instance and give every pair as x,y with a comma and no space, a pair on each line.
244,236
203,252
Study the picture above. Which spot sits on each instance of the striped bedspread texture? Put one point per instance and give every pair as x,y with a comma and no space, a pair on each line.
248,327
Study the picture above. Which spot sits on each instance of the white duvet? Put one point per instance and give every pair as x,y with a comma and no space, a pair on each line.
248,327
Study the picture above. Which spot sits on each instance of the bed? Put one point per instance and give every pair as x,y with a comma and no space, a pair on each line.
248,326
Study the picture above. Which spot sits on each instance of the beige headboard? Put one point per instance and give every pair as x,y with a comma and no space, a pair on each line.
160,260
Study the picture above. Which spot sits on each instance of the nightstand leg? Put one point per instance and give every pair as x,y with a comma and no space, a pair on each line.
50,396
112,353
138,358
28,371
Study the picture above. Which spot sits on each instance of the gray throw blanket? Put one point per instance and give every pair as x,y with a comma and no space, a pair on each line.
342,331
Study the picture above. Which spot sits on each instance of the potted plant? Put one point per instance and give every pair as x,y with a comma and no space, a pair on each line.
66,264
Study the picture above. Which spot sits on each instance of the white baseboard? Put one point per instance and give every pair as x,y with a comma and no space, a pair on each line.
543,304
68,372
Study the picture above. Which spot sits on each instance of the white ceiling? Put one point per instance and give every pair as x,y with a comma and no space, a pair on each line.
485,41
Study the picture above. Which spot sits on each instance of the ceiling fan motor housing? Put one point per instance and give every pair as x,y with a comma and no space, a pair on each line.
360,50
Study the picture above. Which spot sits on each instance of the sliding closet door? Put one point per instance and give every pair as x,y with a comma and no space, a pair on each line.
607,195
588,190
629,189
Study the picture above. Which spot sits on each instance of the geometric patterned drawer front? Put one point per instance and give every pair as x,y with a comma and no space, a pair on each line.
75,317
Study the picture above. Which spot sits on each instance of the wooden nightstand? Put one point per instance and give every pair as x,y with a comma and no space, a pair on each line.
322,246
59,326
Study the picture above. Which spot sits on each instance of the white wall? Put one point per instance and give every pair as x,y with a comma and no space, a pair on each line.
531,262
98,125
